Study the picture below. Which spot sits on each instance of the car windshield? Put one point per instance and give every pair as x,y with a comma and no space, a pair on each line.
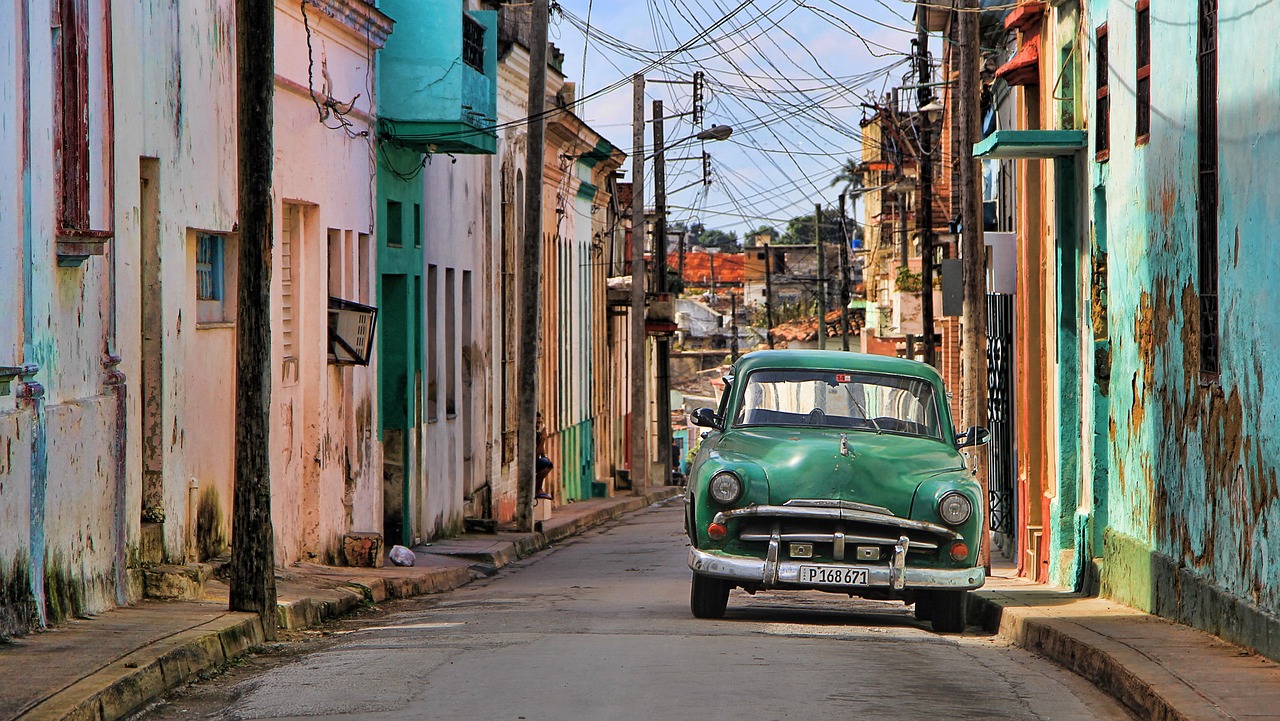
839,399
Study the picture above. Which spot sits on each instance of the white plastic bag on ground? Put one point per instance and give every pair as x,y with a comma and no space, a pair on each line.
402,556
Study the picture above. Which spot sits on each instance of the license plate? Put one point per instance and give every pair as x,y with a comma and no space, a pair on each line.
833,575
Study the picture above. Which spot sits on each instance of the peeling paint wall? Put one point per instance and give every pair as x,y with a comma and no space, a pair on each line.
326,460
59,486
457,206
1194,505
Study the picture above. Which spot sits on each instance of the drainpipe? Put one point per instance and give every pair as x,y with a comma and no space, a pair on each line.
29,392
193,504
113,379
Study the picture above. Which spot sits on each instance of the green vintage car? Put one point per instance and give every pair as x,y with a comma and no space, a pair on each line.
837,472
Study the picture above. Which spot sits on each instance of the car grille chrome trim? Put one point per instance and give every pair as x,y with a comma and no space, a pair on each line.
833,503
837,513
916,544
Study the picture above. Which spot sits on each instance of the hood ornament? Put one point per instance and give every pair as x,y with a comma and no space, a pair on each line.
844,445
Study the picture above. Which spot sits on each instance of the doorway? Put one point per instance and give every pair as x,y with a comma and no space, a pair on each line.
152,325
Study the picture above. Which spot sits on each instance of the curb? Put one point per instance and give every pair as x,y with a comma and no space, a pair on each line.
127,684
1124,673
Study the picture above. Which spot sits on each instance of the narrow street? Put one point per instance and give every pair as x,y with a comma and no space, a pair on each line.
599,628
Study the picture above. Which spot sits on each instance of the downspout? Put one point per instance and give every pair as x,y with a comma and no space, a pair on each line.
113,379
30,392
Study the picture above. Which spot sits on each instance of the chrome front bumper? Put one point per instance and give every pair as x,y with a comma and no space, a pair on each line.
772,572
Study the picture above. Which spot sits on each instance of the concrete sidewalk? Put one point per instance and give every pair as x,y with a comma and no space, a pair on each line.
109,666
1161,670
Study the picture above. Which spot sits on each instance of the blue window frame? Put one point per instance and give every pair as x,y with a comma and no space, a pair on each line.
209,277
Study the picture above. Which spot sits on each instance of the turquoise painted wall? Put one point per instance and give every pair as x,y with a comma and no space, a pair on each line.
399,285
427,95
1192,481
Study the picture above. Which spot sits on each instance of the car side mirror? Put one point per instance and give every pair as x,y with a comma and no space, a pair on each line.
975,436
706,417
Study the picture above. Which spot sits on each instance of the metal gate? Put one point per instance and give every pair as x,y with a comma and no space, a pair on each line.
1002,464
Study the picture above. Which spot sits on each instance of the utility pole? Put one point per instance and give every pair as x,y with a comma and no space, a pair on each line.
662,343
253,577
768,292
733,326
531,272
685,237
822,277
973,257
639,341
844,281
923,97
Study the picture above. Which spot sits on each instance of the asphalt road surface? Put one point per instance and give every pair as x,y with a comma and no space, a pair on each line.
599,628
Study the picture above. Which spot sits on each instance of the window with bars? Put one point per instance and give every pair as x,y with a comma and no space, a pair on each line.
1207,200
1102,136
211,284
472,42
208,267
1142,89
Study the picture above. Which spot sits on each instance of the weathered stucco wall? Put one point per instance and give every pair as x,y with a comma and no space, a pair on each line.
59,490
326,461
174,78
457,205
1194,503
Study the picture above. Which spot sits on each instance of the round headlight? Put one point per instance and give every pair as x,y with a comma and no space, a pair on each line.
955,508
725,487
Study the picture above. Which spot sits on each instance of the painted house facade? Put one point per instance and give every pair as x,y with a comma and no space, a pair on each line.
120,362
437,211
1145,279
67,511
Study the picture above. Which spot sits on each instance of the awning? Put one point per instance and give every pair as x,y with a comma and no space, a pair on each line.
1026,144
1024,67
1026,16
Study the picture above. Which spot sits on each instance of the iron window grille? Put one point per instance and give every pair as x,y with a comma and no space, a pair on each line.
1142,90
208,267
1102,137
1207,206
472,42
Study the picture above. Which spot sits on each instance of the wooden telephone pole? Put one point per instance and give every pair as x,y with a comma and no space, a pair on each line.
531,272
973,258
253,578
845,295
639,341
923,97
822,277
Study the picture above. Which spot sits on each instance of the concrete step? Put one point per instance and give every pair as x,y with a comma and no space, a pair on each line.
177,583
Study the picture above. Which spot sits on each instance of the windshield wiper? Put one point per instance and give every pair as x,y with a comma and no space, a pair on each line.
866,415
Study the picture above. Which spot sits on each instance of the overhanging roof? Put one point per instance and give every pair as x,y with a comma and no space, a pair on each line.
1027,144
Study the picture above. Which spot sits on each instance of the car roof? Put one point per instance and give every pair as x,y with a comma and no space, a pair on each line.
835,360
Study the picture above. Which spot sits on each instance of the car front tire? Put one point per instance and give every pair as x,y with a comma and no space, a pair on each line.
947,610
923,610
708,597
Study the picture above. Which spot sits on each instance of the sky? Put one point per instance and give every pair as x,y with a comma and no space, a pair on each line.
790,76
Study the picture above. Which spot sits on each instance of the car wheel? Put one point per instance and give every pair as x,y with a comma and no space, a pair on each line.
947,609
708,597
923,610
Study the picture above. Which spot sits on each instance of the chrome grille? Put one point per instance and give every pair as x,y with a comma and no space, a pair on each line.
832,526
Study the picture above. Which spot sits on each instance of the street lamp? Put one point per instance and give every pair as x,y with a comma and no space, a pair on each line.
715,132
933,111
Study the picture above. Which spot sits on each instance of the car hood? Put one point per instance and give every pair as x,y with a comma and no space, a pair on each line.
881,469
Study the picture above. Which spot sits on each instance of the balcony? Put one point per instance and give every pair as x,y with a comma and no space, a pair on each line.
438,78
